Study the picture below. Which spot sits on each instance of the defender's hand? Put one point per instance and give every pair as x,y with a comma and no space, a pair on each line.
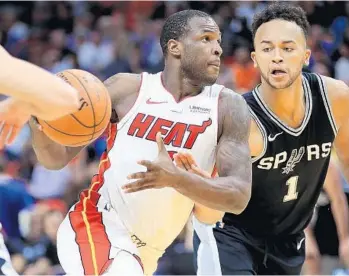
13,117
160,173
344,252
186,161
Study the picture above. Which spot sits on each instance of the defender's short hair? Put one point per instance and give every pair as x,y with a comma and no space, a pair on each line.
281,11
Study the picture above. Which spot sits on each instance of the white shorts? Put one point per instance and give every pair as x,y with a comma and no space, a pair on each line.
96,242
5,259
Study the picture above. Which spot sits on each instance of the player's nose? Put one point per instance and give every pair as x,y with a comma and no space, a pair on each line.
277,58
217,50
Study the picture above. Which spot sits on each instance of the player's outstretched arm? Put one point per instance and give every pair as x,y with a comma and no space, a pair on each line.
312,265
55,156
340,210
338,93
43,92
231,191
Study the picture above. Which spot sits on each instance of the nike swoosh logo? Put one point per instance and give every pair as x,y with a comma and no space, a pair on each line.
299,245
149,101
176,111
272,138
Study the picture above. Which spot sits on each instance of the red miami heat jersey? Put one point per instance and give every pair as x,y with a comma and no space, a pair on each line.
157,216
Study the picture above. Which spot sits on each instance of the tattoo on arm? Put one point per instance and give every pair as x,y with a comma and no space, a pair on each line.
233,153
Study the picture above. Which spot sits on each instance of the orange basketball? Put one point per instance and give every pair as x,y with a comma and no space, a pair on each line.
92,118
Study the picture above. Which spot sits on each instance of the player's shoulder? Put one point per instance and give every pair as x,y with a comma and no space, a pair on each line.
230,95
6,59
3,52
233,112
123,79
337,88
122,85
338,94
230,99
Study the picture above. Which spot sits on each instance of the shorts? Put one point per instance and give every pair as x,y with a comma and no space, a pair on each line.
228,250
96,242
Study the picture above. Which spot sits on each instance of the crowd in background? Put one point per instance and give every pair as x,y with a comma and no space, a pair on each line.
106,38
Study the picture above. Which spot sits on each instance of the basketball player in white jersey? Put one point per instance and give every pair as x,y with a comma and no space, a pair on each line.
27,87
107,230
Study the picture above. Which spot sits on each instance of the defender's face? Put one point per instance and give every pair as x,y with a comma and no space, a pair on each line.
280,52
200,58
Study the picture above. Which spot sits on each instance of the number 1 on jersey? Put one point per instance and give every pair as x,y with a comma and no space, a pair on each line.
292,193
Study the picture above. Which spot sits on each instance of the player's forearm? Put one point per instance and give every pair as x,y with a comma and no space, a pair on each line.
339,207
226,194
340,213
51,155
20,107
308,231
31,84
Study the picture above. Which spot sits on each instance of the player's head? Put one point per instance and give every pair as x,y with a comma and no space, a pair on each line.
191,40
279,38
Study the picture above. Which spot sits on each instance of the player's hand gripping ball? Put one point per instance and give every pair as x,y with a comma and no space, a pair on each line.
92,118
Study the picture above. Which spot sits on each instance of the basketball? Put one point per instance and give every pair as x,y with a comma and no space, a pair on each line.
92,118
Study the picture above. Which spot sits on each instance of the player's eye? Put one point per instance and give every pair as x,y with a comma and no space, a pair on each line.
266,50
206,39
288,49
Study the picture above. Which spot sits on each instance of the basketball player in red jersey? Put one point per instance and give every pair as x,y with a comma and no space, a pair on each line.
28,86
109,227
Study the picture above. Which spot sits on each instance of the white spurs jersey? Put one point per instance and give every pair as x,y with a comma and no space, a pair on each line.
157,216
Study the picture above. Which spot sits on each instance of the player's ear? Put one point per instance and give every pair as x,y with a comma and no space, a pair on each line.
253,57
174,48
307,56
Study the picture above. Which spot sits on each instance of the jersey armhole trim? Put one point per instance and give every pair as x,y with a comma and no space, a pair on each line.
324,94
124,120
264,134
217,110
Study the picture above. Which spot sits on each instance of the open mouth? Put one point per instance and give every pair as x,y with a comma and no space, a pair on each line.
278,72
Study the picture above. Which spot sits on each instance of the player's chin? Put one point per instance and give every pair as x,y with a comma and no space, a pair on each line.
211,78
279,83
210,81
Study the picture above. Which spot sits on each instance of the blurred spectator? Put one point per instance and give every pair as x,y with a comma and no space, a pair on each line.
109,37
322,69
14,198
245,75
15,30
95,53
29,253
46,183
342,65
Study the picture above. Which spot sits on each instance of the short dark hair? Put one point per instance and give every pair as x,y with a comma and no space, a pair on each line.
176,26
281,11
